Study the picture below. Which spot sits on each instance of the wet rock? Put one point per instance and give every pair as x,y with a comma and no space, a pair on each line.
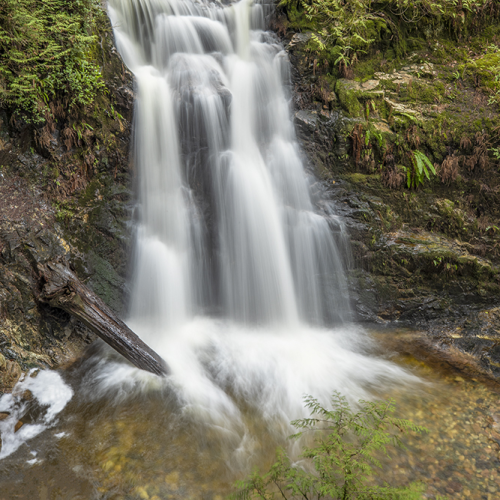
141,493
34,412
10,375
298,54
56,202
27,395
225,95
26,326
306,122
407,73
172,480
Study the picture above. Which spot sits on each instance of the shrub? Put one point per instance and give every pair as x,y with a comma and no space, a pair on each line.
343,30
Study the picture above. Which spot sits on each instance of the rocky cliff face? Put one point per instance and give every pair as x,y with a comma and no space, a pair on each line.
426,257
65,195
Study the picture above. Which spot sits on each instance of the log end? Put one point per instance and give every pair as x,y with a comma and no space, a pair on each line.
61,288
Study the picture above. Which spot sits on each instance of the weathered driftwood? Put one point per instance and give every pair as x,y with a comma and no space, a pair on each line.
63,289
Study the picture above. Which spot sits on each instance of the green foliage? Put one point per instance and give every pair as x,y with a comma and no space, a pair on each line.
344,458
485,70
345,29
421,165
496,153
47,53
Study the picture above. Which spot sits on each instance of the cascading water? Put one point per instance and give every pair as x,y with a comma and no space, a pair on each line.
226,217
235,272
237,279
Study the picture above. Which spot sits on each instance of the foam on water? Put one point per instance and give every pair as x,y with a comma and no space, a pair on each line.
49,391
219,366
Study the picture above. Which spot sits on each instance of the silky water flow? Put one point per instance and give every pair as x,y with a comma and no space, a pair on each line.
236,273
237,278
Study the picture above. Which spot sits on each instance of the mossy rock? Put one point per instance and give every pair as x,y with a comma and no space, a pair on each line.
353,95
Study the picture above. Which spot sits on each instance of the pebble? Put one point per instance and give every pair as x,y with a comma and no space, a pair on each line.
460,418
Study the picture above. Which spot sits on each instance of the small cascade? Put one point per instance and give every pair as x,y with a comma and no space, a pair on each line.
42,393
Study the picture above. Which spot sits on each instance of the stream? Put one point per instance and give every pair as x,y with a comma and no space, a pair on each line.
141,445
238,282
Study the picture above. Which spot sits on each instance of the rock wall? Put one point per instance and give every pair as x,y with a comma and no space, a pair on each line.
65,195
425,257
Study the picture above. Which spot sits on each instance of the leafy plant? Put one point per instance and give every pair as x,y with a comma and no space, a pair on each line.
421,165
437,261
343,30
496,153
344,457
48,53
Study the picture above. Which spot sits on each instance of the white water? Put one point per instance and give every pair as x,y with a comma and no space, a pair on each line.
237,279
226,221
48,391
236,273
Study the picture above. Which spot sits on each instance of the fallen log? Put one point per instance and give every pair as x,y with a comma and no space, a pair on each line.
62,289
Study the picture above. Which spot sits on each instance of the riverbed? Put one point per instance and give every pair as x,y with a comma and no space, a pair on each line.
142,445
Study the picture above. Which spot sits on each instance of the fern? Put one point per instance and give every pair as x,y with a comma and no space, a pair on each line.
344,458
350,28
47,52
421,166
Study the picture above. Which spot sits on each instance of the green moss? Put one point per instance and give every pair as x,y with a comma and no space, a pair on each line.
89,194
488,61
427,93
356,31
48,52
370,180
357,178
348,98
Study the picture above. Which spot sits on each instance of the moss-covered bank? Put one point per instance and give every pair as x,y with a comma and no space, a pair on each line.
64,183
407,141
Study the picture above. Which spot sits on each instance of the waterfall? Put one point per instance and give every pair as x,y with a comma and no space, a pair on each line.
226,220
237,278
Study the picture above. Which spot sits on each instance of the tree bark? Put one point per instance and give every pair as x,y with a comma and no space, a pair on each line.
63,289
